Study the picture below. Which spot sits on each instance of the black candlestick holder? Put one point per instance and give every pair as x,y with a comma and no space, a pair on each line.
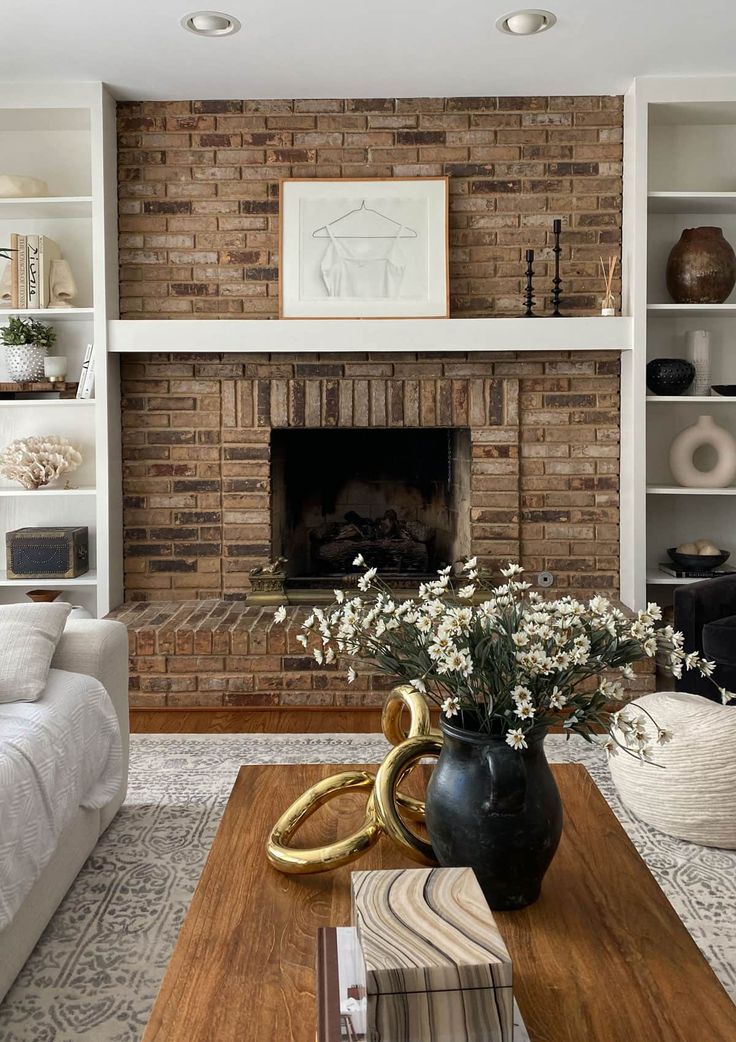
529,291
556,281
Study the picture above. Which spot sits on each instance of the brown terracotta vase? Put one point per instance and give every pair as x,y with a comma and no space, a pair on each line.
701,268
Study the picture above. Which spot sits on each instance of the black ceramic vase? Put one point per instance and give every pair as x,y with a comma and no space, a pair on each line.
670,376
496,810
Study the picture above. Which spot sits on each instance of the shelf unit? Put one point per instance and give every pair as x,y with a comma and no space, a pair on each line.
678,490
680,152
89,579
65,134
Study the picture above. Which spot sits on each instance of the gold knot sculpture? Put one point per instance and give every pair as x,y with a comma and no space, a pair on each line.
384,802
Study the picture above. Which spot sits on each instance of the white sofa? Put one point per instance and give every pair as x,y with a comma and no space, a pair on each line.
98,649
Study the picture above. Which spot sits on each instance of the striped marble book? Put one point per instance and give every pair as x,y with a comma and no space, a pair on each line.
436,966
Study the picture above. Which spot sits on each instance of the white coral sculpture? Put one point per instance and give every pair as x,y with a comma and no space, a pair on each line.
36,461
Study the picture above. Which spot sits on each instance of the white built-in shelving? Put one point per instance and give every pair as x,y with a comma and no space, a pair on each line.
45,493
678,490
679,172
690,399
57,314
49,403
692,202
50,207
679,310
89,579
65,134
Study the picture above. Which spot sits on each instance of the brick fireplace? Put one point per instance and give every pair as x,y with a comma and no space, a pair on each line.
518,455
526,447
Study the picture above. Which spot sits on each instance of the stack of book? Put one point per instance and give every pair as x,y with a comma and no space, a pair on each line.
693,573
86,385
30,265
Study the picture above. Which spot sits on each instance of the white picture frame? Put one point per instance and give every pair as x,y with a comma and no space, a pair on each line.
374,248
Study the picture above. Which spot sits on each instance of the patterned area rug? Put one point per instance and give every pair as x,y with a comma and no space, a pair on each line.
95,973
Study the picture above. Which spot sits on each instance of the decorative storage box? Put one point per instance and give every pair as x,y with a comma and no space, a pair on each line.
436,967
47,553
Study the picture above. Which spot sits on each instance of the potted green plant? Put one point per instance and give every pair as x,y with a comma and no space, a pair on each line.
26,342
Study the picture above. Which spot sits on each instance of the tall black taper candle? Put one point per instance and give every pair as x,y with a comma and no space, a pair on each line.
529,292
556,281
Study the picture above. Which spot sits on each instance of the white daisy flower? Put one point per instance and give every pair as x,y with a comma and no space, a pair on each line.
418,684
515,738
524,710
339,596
557,700
319,656
470,564
280,614
664,735
351,675
451,706
359,561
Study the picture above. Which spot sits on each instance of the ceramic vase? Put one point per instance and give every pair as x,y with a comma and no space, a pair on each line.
697,348
79,612
701,268
496,810
670,376
25,362
705,432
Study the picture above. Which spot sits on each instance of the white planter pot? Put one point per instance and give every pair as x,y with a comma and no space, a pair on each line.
79,612
25,362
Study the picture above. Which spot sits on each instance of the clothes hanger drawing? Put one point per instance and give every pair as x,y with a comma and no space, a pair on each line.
406,233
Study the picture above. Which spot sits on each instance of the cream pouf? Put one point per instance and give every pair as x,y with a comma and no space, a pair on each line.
694,797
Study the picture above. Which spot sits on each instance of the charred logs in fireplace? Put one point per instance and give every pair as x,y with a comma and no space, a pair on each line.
388,543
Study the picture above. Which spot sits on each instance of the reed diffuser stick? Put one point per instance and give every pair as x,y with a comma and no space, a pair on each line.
608,275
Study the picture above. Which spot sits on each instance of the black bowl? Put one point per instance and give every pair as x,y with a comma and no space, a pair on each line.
724,390
669,375
696,562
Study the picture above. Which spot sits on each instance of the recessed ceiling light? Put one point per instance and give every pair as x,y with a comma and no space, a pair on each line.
210,23
528,22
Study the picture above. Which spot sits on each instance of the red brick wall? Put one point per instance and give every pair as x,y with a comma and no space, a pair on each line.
544,434
199,192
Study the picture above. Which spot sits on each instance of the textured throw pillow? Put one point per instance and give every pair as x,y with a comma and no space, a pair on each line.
29,634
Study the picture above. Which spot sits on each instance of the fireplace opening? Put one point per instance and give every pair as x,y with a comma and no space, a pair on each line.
398,497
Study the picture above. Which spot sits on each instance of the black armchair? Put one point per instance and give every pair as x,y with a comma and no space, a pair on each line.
705,612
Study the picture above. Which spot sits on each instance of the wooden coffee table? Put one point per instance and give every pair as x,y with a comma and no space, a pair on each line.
601,957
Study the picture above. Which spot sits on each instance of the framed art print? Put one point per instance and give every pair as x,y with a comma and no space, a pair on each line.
364,249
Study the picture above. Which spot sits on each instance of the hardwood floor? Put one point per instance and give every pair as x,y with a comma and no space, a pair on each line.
316,720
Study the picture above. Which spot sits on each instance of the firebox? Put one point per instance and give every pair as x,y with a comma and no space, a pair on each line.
394,496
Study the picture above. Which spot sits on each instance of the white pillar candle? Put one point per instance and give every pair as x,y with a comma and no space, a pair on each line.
54,367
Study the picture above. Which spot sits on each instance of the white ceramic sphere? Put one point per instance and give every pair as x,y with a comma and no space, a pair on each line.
692,794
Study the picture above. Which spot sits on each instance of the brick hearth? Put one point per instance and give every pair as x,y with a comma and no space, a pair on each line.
222,653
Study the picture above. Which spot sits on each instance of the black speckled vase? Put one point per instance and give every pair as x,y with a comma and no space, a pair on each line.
496,810
669,375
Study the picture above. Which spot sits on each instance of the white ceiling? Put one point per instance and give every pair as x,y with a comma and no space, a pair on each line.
340,48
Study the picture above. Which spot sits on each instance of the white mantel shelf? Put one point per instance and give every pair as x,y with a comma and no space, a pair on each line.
296,336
